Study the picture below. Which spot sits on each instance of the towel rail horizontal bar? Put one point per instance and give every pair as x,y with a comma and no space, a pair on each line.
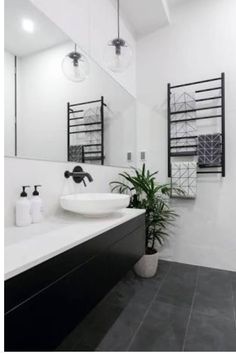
197,118
83,103
208,98
196,82
183,146
72,111
86,131
205,166
76,118
84,124
208,89
205,172
88,145
184,137
186,153
92,152
196,109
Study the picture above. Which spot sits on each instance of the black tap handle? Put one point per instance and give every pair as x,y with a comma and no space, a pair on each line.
67,174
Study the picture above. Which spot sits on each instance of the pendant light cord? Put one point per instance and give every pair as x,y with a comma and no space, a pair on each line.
118,17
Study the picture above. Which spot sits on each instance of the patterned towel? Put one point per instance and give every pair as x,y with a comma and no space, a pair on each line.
184,176
181,102
209,150
76,153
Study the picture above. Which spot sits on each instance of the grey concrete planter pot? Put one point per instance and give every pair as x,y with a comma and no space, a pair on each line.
147,266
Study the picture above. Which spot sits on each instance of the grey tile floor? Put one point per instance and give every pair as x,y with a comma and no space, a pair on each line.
183,308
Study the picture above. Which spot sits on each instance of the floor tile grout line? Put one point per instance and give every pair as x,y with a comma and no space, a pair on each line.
233,301
191,309
148,308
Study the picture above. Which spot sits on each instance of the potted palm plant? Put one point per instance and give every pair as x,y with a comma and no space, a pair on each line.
146,194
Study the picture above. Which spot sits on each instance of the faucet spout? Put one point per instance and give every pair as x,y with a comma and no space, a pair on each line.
90,178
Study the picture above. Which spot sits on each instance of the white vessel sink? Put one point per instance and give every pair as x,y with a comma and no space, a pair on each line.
94,204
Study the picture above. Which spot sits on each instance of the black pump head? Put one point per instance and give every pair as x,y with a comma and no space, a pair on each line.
23,193
35,192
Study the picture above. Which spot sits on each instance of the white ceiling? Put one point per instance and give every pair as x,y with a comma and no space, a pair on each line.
21,43
146,16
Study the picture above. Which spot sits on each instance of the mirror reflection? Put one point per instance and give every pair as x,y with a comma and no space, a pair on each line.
53,111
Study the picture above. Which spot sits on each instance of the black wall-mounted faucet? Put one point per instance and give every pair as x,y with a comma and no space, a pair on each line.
78,175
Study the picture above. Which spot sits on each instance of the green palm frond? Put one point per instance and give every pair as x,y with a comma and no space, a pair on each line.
146,193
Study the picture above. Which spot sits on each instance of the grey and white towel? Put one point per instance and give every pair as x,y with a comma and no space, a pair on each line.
184,176
181,102
76,153
209,150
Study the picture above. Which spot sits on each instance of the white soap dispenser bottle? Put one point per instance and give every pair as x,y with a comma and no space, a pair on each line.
23,206
36,206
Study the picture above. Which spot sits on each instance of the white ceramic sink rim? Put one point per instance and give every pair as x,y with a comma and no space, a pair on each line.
94,204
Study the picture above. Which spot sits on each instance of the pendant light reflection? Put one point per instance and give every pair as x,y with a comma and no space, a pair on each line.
118,53
75,66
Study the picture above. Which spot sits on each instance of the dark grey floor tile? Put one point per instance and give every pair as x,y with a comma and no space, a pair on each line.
145,289
122,331
211,306
142,292
71,344
233,279
112,324
179,286
131,290
81,347
214,293
163,329
233,276
209,333
233,282
97,323
214,281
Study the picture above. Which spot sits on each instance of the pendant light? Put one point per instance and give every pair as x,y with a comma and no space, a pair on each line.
118,53
75,66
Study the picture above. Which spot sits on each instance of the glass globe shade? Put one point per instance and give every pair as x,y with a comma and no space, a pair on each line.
75,67
118,55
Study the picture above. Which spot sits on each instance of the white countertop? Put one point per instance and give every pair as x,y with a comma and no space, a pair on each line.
25,247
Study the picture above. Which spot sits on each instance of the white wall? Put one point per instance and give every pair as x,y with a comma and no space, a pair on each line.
91,23
43,93
9,104
199,44
19,172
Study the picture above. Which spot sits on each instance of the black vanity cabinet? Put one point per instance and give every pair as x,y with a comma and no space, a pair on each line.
44,303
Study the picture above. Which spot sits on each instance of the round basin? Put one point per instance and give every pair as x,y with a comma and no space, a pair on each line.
94,204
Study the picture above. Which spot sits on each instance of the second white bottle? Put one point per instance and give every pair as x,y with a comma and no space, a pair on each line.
36,206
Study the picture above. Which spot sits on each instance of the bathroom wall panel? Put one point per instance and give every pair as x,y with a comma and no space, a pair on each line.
199,44
50,175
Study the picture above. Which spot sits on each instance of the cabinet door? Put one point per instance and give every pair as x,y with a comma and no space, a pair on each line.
25,285
126,252
42,322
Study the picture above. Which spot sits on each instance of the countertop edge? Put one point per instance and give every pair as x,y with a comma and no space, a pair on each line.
128,214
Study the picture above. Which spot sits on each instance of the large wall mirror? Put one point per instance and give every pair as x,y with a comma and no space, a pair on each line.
49,117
